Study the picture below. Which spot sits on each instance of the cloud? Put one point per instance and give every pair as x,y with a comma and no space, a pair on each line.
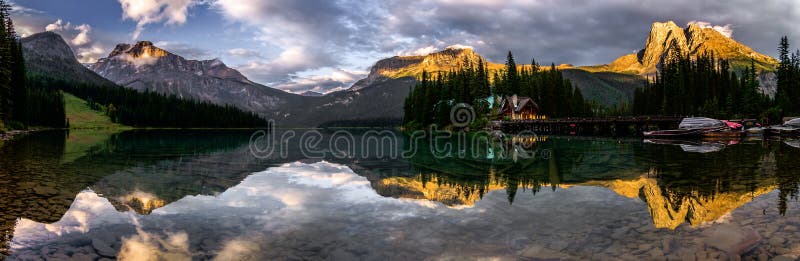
289,62
19,9
185,50
241,52
347,34
420,51
78,37
83,35
726,30
303,36
146,12
459,46
89,54
56,26
238,249
149,246
323,82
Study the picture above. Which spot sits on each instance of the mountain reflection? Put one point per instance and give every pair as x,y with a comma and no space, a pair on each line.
140,172
42,173
679,187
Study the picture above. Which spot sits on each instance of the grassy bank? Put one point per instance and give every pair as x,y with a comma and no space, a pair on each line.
81,116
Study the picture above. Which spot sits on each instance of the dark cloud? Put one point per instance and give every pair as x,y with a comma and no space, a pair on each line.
297,44
581,32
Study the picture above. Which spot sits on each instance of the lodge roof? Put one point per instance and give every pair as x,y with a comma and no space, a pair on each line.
517,103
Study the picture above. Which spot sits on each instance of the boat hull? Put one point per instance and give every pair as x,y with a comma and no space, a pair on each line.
674,134
724,134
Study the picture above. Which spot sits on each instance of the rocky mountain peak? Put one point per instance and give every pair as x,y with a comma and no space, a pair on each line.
48,54
144,66
49,44
411,66
139,49
695,39
145,56
661,38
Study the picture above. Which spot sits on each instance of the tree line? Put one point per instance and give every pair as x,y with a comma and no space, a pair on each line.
21,105
435,94
36,100
788,93
703,85
555,95
708,86
150,109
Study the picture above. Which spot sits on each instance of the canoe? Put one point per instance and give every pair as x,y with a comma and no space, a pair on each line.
674,133
724,134
691,146
700,127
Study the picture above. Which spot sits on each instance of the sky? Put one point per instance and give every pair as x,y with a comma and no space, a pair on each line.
326,45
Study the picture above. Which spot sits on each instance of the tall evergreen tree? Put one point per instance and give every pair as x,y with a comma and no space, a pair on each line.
5,63
703,86
512,76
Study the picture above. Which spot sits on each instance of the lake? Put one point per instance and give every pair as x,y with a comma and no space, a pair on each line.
183,195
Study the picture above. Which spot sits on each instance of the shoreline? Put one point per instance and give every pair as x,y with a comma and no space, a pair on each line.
9,135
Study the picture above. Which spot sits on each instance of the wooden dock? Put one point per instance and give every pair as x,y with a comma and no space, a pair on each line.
623,125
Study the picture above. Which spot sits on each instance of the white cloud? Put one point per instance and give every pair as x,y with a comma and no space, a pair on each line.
280,68
300,36
421,51
459,46
238,249
90,54
83,35
322,81
150,246
79,38
146,12
185,50
241,52
726,30
56,26
18,9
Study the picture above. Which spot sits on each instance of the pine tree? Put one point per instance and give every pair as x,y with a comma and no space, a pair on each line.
784,75
512,76
5,63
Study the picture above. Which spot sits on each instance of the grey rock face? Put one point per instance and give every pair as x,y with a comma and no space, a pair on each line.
145,67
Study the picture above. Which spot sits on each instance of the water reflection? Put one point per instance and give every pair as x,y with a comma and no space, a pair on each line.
194,195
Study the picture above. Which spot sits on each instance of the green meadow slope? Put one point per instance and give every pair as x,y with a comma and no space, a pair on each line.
81,116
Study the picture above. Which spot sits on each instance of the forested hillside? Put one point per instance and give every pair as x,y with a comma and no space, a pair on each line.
707,85
20,104
432,99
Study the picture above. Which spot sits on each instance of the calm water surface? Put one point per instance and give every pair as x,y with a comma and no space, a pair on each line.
181,195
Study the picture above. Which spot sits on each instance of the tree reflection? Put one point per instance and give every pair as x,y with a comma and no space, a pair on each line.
679,186
41,173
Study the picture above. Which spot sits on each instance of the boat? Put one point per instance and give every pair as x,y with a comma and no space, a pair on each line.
793,143
674,133
694,128
691,146
732,130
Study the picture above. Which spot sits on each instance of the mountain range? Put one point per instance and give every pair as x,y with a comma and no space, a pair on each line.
146,67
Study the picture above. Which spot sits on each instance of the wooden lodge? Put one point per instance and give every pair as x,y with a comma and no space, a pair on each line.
519,108
521,114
